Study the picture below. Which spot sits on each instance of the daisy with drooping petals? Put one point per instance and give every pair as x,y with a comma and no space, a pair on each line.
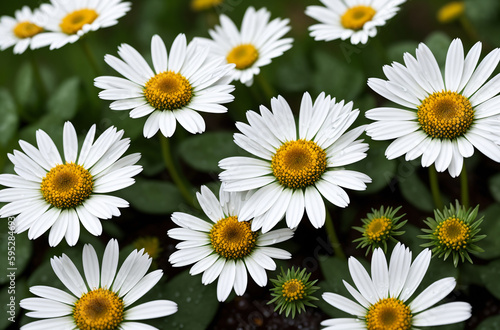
104,300
184,82
48,193
18,31
442,119
225,248
254,46
296,164
68,20
354,19
382,300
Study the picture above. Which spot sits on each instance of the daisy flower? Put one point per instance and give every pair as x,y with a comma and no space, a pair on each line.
182,83
104,300
382,301
224,247
439,118
19,30
253,47
48,193
199,5
296,164
354,19
68,20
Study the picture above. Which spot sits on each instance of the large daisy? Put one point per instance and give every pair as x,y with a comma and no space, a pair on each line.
104,300
184,82
382,301
18,31
439,118
47,192
354,19
68,20
296,164
224,247
258,42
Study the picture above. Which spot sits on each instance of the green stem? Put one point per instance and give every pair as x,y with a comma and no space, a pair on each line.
464,186
266,87
433,180
332,236
90,56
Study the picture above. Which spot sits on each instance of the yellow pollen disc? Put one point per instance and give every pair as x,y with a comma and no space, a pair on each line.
243,56
389,314
168,91
26,30
453,233
233,239
378,229
445,115
100,309
73,22
298,164
199,5
355,17
293,290
451,11
66,186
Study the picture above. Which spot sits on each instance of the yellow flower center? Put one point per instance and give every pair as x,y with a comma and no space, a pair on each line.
293,290
378,229
453,233
151,245
233,239
389,314
451,11
74,21
199,5
66,186
298,164
168,91
26,30
445,115
243,56
100,309
355,17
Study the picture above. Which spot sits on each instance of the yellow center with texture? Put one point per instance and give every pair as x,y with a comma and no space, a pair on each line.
168,91
378,229
389,314
355,17
233,239
243,56
99,309
74,21
66,186
293,290
445,115
26,30
453,233
298,164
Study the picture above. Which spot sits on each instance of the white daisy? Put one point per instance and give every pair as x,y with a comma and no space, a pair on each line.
68,20
48,192
255,46
439,118
355,19
225,247
183,83
382,300
18,31
296,164
104,300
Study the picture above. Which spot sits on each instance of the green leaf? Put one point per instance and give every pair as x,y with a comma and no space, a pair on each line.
203,152
24,87
494,185
412,188
396,50
10,121
297,79
16,250
482,12
490,276
491,227
491,323
63,103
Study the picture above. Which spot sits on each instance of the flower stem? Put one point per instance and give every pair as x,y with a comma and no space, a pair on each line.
332,236
433,180
90,56
464,186
266,87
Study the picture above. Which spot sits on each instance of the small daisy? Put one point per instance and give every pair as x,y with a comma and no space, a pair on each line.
225,248
382,300
254,46
296,164
48,192
68,20
104,300
442,119
451,12
183,83
18,31
355,19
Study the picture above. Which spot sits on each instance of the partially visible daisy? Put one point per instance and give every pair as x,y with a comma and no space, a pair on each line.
184,82
451,11
295,164
382,300
18,31
354,19
258,42
68,20
104,299
47,192
439,118
224,247
200,5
